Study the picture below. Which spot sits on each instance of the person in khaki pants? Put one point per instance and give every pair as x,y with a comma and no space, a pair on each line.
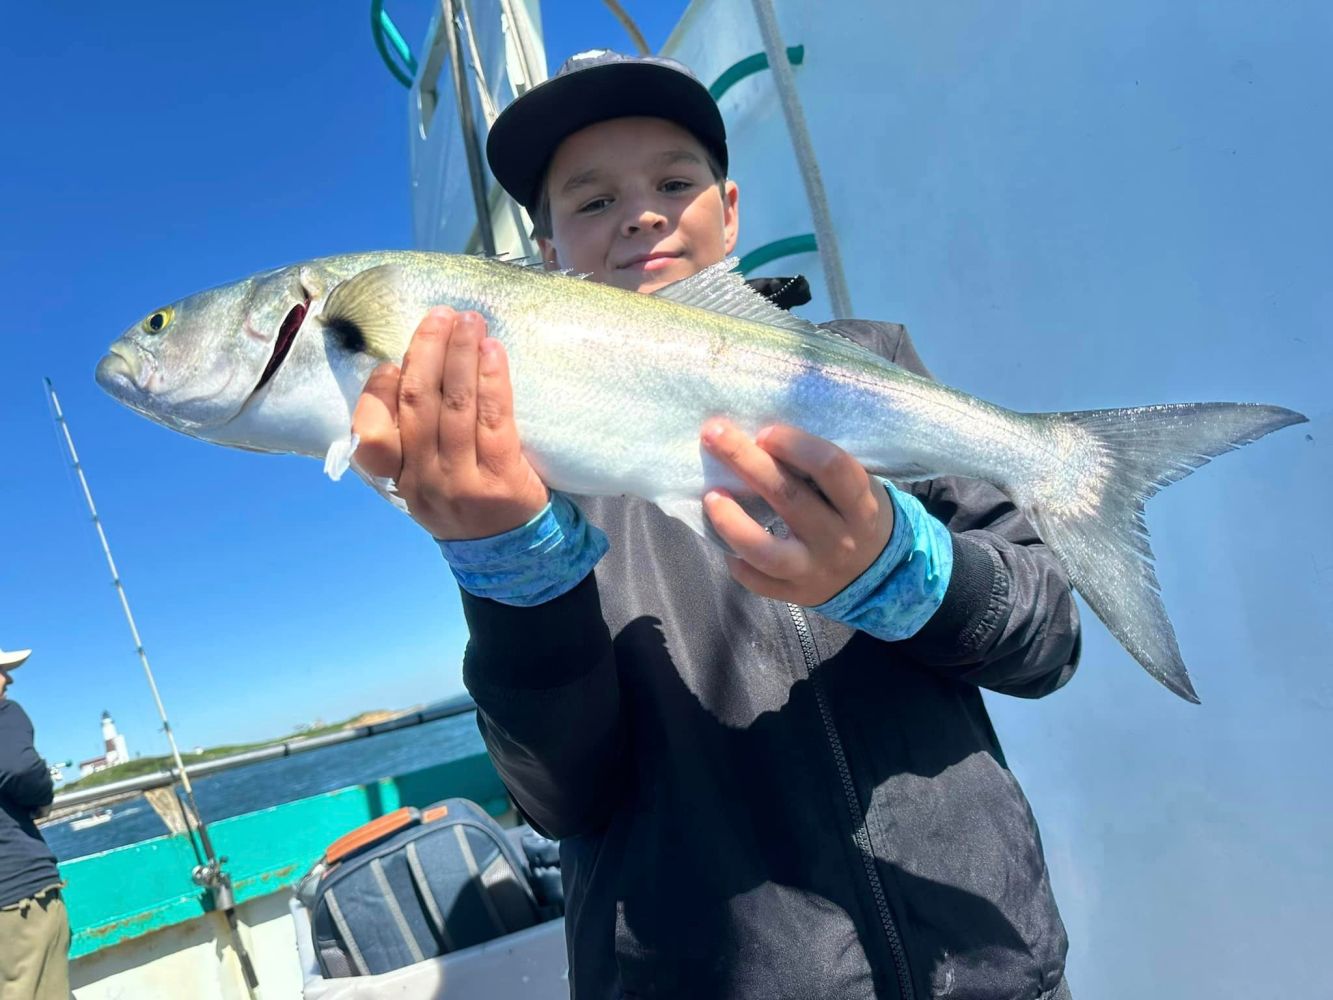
34,927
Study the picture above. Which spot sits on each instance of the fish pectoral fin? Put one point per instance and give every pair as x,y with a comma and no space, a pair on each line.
369,312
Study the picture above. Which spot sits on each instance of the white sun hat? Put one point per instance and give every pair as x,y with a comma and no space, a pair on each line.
13,659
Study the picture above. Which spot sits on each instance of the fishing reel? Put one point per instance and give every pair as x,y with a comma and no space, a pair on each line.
211,876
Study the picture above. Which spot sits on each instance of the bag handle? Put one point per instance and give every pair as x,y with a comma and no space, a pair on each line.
369,834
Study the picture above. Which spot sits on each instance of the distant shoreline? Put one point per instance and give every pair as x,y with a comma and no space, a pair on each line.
163,762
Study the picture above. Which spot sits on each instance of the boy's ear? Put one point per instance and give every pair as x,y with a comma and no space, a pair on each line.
549,256
731,214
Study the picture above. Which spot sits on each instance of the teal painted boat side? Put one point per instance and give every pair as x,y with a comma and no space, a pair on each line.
131,891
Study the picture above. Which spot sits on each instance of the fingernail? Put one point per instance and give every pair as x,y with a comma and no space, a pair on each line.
763,435
490,356
713,432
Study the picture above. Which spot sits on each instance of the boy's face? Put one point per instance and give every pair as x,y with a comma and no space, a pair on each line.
635,205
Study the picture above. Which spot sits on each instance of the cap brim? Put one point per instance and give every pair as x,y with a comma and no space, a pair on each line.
526,134
14,659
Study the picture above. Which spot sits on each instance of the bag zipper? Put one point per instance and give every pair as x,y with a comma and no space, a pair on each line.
859,832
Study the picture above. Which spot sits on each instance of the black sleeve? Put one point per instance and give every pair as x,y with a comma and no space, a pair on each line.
548,698
24,778
1008,621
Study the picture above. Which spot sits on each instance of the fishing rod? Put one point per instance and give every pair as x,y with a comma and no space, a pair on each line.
209,875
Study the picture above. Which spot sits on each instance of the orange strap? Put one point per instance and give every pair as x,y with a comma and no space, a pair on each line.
369,833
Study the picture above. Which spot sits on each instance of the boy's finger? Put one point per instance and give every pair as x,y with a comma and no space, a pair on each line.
781,558
839,476
458,398
793,500
419,389
375,423
756,582
497,436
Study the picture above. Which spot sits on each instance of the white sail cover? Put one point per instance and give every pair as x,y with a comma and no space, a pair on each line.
1079,205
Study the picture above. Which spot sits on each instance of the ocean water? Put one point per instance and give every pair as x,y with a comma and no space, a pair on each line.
273,782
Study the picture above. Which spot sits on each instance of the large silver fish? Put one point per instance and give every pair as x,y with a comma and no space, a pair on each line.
612,387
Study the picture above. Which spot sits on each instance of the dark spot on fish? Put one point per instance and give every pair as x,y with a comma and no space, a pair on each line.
347,334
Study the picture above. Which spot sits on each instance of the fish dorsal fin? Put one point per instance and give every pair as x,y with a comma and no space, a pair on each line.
368,310
723,290
532,264
515,260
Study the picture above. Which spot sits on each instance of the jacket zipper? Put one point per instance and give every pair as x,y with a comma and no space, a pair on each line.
859,832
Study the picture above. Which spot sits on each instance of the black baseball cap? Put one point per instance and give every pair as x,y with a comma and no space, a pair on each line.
592,87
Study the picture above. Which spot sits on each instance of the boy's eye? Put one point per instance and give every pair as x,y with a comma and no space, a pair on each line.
674,186
596,205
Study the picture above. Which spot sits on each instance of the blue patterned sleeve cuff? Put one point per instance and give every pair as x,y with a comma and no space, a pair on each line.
896,596
532,564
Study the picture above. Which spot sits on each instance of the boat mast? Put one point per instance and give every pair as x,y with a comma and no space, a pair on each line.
785,81
209,875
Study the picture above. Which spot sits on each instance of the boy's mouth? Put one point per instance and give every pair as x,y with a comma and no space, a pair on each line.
649,261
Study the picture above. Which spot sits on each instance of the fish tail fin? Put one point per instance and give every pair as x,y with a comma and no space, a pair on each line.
1094,520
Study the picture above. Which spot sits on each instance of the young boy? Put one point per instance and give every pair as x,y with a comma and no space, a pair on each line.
754,800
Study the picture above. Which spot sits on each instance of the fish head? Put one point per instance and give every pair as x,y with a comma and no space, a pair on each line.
195,364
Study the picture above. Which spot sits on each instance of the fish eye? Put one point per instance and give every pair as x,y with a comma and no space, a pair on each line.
159,320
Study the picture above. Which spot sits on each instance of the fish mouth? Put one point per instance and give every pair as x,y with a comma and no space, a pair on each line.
282,344
123,369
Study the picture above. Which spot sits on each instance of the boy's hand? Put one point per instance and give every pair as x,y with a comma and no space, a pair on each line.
834,536
442,427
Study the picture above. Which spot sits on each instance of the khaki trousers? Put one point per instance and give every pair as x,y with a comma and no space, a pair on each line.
34,949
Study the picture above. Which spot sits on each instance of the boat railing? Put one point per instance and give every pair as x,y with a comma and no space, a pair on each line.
287,748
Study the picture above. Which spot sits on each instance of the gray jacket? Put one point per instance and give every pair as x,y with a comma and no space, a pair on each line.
756,802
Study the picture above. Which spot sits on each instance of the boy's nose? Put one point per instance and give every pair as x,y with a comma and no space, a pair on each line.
643,218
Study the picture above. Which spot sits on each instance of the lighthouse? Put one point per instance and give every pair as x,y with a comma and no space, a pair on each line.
116,750
113,745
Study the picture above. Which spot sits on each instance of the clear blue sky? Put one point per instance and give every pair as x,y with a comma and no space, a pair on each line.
1072,204
152,150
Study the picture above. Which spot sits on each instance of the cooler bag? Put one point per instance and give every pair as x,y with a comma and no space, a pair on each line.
414,885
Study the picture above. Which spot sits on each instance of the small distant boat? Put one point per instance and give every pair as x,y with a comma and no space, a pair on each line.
85,820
